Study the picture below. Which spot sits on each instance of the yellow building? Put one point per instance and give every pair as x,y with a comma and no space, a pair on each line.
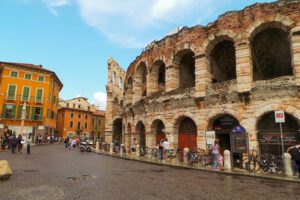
34,86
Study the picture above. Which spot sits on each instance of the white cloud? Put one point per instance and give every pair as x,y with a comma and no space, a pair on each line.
135,23
100,100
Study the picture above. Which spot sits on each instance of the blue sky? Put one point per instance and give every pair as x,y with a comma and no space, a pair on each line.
75,38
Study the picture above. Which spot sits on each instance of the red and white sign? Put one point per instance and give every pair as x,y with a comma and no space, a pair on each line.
279,116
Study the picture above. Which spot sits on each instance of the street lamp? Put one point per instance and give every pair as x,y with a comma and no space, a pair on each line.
23,117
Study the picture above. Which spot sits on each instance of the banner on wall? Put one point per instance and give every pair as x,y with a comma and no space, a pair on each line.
210,137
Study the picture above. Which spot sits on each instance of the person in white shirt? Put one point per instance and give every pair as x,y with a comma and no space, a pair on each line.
28,141
166,146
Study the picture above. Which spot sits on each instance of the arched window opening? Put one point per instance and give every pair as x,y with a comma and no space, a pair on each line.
271,54
158,129
141,81
269,134
117,132
120,83
141,135
162,75
187,70
129,83
223,62
114,77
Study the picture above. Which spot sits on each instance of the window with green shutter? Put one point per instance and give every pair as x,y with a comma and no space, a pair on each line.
14,74
8,111
41,78
25,95
28,76
11,95
37,114
39,96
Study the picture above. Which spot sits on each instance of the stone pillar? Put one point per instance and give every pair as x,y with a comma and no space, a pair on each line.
202,72
227,160
288,171
185,155
138,150
295,46
109,116
122,149
172,77
97,146
111,148
244,67
137,88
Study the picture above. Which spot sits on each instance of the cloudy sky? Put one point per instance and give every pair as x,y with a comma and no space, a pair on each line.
76,37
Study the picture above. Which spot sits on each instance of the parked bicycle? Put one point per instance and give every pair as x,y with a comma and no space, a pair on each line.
205,158
171,155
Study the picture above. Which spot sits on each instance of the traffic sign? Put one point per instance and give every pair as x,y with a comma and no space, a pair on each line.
279,116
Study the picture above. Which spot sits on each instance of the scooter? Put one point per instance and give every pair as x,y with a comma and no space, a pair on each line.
84,147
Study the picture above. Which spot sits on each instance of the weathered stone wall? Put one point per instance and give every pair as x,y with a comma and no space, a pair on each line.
242,98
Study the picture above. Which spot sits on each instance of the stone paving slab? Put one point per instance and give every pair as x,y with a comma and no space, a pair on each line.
239,172
5,170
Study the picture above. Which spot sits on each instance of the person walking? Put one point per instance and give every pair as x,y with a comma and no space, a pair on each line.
66,142
293,152
13,143
161,148
166,146
215,155
28,142
20,143
297,157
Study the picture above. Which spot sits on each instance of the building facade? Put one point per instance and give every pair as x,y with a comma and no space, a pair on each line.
234,72
75,118
34,86
99,124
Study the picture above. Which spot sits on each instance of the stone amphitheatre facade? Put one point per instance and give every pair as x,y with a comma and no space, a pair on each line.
237,70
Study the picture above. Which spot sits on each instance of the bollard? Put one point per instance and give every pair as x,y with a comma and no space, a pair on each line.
97,146
122,150
111,148
288,171
138,151
185,155
227,160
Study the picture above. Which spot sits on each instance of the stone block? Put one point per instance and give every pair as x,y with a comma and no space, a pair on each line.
5,170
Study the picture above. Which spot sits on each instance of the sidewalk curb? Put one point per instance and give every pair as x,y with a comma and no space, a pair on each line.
247,174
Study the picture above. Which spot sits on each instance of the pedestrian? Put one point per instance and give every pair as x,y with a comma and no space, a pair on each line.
66,141
215,155
297,157
293,151
20,142
73,143
70,143
166,146
13,143
40,139
77,141
161,148
28,142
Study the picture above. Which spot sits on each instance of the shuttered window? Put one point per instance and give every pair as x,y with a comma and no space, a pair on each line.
39,96
37,114
11,92
28,76
25,95
8,111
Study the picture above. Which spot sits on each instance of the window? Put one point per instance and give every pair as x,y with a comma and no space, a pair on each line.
8,111
41,78
14,74
26,94
74,105
28,76
68,105
79,116
79,106
52,115
85,125
11,94
72,115
86,117
78,125
39,96
20,108
71,124
37,114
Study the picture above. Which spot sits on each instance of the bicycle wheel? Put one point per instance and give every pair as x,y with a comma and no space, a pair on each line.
251,165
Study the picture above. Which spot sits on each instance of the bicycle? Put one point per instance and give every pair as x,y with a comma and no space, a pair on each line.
171,154
205,158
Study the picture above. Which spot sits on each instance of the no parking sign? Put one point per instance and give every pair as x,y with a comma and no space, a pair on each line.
279,116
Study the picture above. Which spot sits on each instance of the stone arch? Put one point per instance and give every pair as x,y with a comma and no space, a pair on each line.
140,134
158,76
140,81
184,63
157,131
213,115
271,51
129,84
117,131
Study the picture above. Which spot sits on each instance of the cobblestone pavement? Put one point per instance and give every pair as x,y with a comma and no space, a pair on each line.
51,172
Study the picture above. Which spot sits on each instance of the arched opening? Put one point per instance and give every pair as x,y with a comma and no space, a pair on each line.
271,54
223,126
158,76
141,135
120,83
114,77
129,83
223,62
187,135
186,69
157,129
141,81
269,133
117,131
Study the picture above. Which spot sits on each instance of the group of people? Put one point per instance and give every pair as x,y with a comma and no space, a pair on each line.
72,142
13,142
218,159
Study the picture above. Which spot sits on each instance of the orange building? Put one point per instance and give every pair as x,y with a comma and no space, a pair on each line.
75,118
99,124
34,86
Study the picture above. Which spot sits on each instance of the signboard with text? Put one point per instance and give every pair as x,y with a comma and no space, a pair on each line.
279,116
210,138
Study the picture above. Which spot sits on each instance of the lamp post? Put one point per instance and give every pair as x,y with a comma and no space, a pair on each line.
23,117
